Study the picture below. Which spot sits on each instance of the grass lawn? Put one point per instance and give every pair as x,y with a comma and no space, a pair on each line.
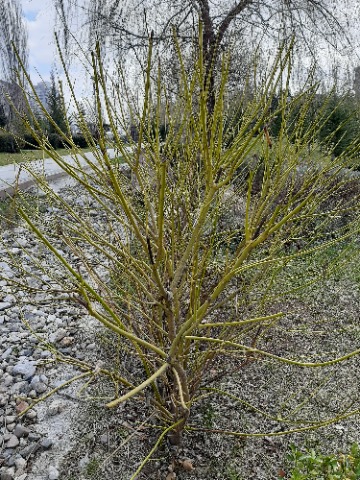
28,155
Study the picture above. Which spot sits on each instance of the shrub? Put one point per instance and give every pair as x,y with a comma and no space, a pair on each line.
55,140
8,143
29,142
80,141
184,297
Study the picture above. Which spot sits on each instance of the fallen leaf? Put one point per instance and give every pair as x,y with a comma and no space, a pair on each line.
187,465
282,473
171,476
21,406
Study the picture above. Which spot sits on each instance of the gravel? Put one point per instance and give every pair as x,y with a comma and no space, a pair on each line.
32,445
66,437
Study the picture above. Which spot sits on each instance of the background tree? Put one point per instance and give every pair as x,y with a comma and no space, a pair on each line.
13,33
56,107
124,28
3,116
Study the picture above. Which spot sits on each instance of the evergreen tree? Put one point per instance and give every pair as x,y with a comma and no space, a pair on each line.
56,107
3,117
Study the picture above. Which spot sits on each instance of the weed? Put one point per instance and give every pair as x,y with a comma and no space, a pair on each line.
92,467
312,465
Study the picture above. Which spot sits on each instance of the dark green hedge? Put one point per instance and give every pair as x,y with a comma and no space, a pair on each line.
29,142
8,143
80,141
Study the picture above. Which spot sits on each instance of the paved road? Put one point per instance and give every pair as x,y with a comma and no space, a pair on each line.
19,175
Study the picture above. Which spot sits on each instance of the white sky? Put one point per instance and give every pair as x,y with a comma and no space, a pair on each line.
40,20
39,16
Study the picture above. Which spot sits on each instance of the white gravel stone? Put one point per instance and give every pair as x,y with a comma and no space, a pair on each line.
53,473
27,368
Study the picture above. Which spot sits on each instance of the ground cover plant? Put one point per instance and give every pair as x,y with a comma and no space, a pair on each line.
198,237
309,464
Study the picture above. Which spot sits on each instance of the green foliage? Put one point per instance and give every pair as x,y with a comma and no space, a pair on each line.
56,109
55,140
8,143
341,125
92,468
3,116
334,119
312,465
80,141
29,142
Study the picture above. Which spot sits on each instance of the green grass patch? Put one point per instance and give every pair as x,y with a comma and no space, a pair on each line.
29,155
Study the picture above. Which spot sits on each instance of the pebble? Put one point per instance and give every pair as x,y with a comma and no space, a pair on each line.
26,369
20,407
12,442
21,431
53,473
46,443
4,305
58,335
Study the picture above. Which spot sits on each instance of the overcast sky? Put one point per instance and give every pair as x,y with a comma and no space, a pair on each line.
39,16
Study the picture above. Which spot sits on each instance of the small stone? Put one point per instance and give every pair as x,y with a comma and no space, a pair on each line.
20,464
10,427
46,443
21,431
66,341
83,462
7,353
29,450
31,415
53,473
104,439
12,442
9,299
27,368
4,305
39,387
58,335
55,407
10,418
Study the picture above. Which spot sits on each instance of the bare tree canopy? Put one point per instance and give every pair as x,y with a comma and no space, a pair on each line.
123,28
127,24
12,33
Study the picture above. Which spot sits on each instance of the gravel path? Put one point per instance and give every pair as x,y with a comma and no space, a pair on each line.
66,438
27,367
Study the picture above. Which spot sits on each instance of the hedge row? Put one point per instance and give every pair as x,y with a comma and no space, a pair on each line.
10,144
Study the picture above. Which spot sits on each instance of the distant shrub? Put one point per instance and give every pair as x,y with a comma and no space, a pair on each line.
55,140
8,143
80,141
29,142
